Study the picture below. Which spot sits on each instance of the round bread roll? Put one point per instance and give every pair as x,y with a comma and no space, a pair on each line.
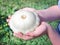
24,21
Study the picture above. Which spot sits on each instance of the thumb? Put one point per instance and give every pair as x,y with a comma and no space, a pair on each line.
29,9
30,34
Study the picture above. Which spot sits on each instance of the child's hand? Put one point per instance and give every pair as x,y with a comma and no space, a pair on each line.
9,17
39,30
29,35
19,34
22,36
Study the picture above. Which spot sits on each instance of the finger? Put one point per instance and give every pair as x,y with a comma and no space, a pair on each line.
30,34
19,35
9,16
7,20
25,37
29,9
38,31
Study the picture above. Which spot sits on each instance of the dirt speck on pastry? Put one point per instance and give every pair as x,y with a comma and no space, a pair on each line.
23,17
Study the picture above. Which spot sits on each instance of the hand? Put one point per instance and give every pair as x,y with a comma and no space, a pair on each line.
19,34
22,36
29,35
39,30
42,29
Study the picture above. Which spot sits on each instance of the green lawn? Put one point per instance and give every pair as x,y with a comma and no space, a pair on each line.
8,7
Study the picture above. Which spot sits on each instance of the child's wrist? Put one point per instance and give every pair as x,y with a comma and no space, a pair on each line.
41,14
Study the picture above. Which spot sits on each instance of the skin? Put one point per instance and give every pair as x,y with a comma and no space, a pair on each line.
50,14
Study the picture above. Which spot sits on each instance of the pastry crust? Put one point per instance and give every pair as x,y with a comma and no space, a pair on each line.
24,21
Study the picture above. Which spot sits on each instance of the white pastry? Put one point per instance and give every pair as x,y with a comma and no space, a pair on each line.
24,21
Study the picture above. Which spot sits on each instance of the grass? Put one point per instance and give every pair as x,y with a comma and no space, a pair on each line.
8,7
